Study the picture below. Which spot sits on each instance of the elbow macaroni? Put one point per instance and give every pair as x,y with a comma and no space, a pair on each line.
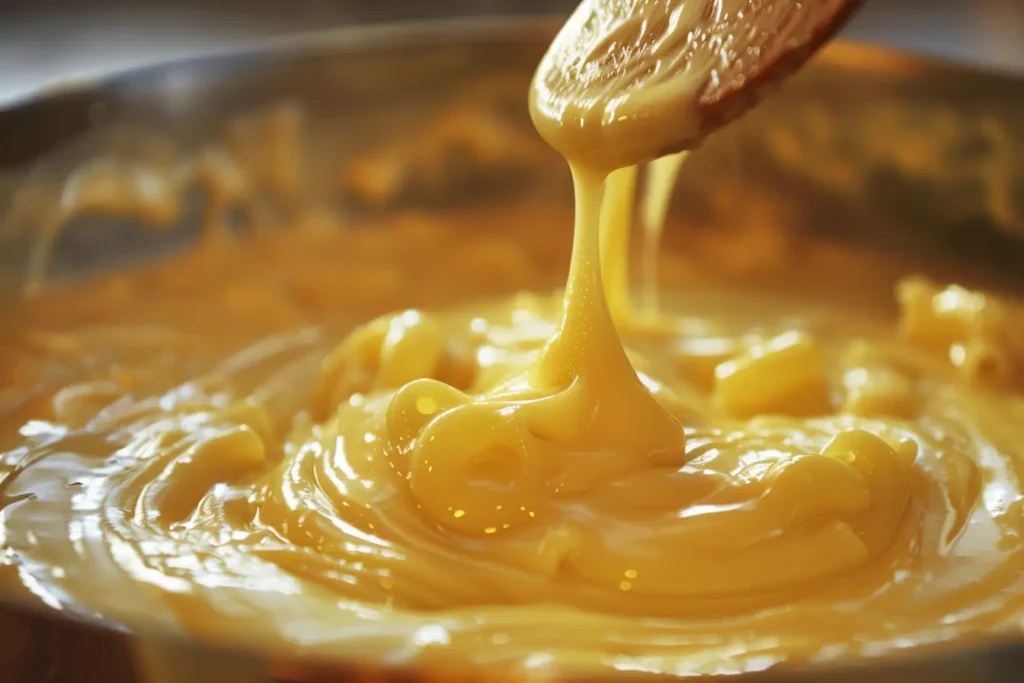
980,334
784,375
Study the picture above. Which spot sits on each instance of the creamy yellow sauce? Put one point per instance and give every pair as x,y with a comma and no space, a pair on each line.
212,453
221,444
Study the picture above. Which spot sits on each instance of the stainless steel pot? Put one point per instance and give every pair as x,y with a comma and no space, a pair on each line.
866,148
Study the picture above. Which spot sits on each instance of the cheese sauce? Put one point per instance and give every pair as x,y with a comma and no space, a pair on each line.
230,444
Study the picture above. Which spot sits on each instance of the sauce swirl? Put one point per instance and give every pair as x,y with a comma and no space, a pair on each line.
221,444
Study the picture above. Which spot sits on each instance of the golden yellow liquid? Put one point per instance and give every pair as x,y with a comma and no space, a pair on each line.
242,445
661,179
203,448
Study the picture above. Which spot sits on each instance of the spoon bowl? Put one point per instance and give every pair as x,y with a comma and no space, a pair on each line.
627,81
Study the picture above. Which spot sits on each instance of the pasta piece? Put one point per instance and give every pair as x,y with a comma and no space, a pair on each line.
933,319
411,409
696,359
785,375
350,368
878,392
389,353
474,470
231,452
411,349
887,472
980,334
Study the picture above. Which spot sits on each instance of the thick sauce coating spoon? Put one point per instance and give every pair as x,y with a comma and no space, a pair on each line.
627,81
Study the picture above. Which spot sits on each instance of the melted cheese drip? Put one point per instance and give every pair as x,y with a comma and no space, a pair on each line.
661,178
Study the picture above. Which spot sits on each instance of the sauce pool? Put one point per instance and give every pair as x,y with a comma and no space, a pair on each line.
240,444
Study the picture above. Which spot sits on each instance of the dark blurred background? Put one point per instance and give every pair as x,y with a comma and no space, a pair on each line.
43,42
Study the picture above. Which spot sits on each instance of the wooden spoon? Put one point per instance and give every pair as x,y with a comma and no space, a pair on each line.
627,81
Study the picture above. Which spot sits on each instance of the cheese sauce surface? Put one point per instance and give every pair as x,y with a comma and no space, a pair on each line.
240,443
